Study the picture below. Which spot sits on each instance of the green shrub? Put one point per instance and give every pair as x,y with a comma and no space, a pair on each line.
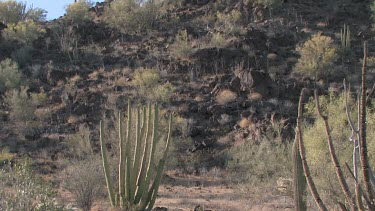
10,76
259,164
146,78
13,12
317,151
147,81
20,189
217,40
230,22
317,56
79,143
182,47
78,12
23,55
130,17
22,112
24,32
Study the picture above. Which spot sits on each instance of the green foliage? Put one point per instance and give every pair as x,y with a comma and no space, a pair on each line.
13,12
315,140
10,76
22,108
146,78
259,163
229,23
79,143
24,32
139,179
317,56
130,17
217,40
78,12
182,47
20,189
22,112
270,3
23,55
147,82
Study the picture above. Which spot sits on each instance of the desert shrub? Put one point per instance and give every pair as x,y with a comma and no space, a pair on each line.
229,22
23,55
130,17
40,98
66,38
217,40
270,3
147,81
317,151
85,180
12,12
317,56
10,76
22,112
80,143
24,32
146,78
162,92
22,190
182,47
78,12
259,164
226,96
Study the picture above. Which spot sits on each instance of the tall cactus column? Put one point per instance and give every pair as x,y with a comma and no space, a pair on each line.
139,180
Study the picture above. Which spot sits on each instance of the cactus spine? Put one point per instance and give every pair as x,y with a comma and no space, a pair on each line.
299,181
138,186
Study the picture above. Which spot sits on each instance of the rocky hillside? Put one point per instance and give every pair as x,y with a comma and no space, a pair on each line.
226,69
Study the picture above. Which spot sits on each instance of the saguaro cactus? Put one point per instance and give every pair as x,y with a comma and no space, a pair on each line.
138,179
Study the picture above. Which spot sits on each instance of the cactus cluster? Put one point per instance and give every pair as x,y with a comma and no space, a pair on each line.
345,37
139,179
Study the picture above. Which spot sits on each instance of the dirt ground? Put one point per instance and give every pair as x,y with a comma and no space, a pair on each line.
184,193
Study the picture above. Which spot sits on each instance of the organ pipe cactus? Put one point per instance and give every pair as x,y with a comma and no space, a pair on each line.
345,37
139,179
299,181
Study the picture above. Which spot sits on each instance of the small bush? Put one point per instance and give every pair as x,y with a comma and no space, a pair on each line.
24,32
182,47
10,76
226,96
23,55
147,81
217,40
85,180
22,112
317,56
259,164
80,143
78,12
146,78
25,190
12,12
128,16
229,22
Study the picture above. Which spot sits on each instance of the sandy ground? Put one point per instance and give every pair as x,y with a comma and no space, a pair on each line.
184,193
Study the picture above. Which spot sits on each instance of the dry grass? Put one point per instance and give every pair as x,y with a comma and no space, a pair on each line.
255,96
226,96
